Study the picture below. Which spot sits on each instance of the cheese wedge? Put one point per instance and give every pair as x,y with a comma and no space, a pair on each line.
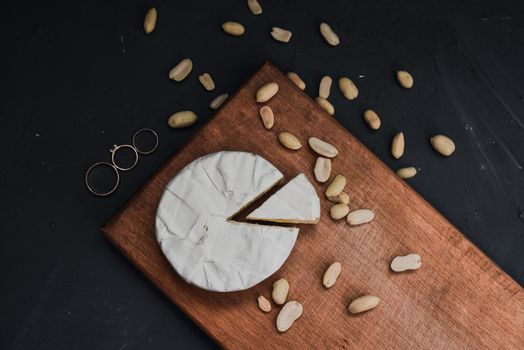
194,229
296,202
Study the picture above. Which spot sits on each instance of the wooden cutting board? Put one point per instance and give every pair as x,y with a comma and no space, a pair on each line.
458,299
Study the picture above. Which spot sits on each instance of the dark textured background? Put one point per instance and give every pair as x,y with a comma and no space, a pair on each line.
77,77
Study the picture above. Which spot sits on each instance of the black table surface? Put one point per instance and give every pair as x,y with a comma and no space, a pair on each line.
78,77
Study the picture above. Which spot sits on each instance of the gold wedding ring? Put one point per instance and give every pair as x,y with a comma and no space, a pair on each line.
113,165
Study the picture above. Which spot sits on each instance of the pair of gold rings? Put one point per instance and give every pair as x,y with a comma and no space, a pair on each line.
115,166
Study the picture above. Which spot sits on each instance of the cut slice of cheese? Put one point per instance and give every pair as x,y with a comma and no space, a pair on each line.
196,235
296,202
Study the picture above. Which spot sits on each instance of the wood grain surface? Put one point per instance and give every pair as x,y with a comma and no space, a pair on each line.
459,299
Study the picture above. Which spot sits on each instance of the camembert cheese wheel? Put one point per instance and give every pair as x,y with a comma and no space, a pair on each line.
195,231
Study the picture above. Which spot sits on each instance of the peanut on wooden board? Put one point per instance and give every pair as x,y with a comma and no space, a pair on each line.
295,78
325,105
342,197
233,28
289,140
331,274
348,88
217,101
322,169
406,262
360,216
329,35
324,87
288,315
266,92
363,303
263,303
254,7
322,147
397,145
336,186
150,20
404,79
372,119
181,70
182,119
280,34
280,290
339,211
267,116
443,145
407,172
